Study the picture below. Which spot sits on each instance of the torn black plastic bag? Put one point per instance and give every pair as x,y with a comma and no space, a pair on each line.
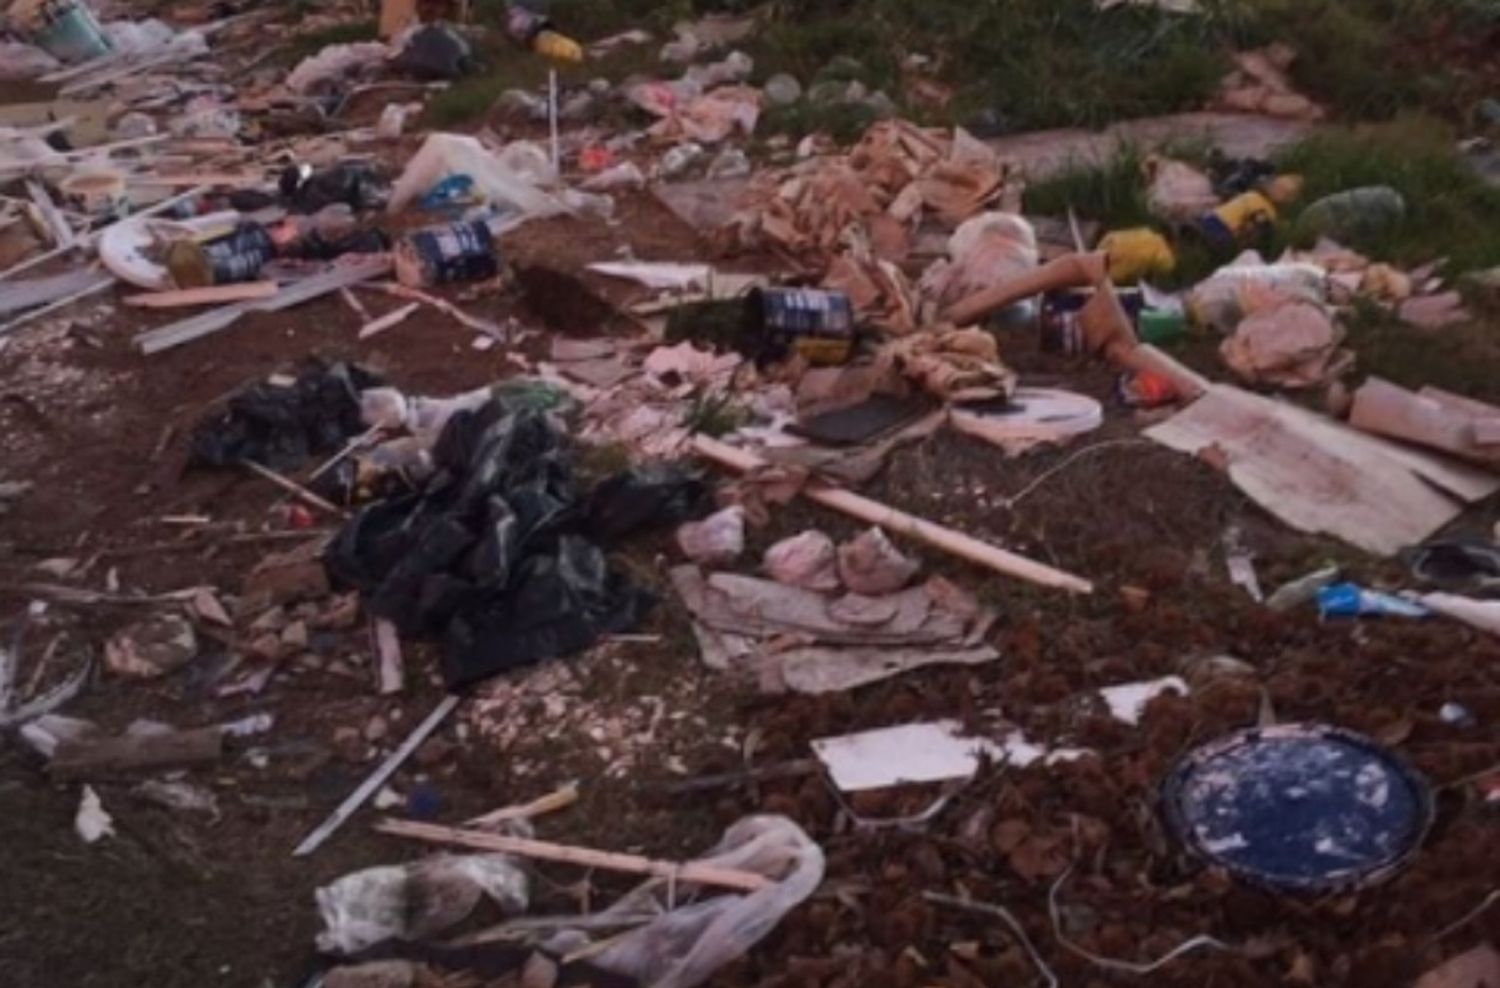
282,426
654,495
490,557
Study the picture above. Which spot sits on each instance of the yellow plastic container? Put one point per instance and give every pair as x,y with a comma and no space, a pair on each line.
1137,253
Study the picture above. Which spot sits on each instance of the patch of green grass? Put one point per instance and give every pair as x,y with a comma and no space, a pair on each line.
844,122
1462,359
1112,193
715,414
306,45
1450,211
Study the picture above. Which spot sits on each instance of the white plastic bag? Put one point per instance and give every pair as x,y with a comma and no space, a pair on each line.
412,901
684,947
458,154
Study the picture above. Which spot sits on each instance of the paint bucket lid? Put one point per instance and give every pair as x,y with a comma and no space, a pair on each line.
1298,807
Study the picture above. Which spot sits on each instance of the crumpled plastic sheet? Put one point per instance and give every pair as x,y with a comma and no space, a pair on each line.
687,945
496,554
415,900
281,427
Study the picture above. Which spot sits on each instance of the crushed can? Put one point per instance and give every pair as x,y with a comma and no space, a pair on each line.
811,323
438,255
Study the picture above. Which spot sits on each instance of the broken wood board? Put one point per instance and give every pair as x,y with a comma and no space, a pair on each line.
1319,476
109,758
1431,418
197,327
831,670
210,295
18,296
634,864
97,282
892,519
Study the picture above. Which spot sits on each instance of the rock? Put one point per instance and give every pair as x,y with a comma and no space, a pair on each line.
348,743
521,103
266,646
579,106
540,972
782,89
1135,599
1201,671
133,125
843,68
294,636
869,564
153,647
883,106
730,163
376,974
679,159
278,580
717,539
342,613
376,729
808,560
205,605
434,752
58,567
272,620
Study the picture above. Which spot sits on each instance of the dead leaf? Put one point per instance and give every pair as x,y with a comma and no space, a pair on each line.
1477,968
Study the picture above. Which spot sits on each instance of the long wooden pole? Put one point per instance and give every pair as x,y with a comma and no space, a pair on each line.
635,864
895,520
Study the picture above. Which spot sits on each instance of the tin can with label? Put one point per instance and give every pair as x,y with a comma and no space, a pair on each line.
438,255
235,258
811,323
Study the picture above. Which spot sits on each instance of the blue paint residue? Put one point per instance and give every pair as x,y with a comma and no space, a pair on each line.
1299,808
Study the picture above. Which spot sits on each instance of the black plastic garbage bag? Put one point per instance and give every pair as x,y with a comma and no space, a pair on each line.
435,52
651,496
1464,563
493,557
280,427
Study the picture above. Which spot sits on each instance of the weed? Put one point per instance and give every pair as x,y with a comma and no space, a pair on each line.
715,414
1112,193
339,34
1450,211
1463,359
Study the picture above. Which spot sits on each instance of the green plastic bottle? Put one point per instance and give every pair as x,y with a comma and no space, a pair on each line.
1354,213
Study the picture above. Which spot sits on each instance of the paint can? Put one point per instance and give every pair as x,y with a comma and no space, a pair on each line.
811,323
438,255
100,193
1298,807
1059,329
68,31
235,258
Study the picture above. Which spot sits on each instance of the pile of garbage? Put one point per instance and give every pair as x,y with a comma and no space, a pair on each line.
856,302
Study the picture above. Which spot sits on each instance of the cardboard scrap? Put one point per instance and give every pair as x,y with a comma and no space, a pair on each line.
934,751
1317,475
1430,417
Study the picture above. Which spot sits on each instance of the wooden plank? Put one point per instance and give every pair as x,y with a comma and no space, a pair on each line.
113,757
634,864
1314,474
211,295
895,520
377,778
211,322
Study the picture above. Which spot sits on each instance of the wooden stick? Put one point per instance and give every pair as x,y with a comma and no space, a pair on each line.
377,778
895,520
385,322
560,799
443,306
1072,271
634,864
296,490
355,304
210,295
111,757
390,669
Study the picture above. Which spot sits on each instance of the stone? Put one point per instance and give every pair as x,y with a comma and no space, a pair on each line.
782,89
151,648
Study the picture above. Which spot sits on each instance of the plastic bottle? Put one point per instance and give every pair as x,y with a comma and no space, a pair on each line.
1354,213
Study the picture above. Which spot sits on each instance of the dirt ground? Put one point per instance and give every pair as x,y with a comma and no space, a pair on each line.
180,898
187,899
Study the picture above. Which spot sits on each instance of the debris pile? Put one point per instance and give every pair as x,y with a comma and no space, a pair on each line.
917,538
